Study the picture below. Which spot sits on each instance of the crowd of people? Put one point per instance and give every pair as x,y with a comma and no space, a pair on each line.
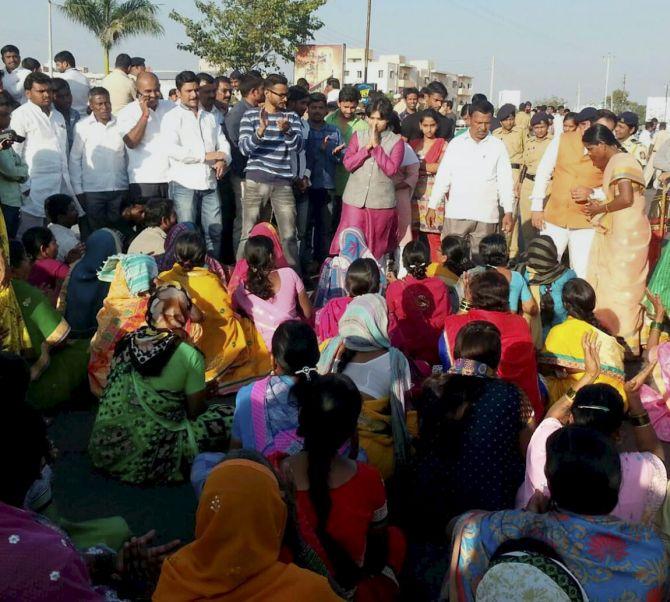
399,353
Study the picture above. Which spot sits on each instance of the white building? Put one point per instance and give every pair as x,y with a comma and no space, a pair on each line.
393,73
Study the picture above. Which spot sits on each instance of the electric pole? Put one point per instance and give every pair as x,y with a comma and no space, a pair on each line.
493,69
579,97
608,61
367,44
665,113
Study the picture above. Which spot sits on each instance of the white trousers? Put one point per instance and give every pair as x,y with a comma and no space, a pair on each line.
577,241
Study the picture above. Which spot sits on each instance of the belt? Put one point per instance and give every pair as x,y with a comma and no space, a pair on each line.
530,176
516,165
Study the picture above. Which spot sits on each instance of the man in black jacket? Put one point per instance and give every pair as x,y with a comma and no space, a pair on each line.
411,126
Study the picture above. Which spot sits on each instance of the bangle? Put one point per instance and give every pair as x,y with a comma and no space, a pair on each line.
639,420
570,394
607,210
656,325
465,305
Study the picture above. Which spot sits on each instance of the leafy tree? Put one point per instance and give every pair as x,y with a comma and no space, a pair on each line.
554,101
620,101
248,34
112,21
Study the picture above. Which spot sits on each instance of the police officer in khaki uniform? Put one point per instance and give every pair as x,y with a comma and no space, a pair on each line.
522,118
514,139
625,132
532,154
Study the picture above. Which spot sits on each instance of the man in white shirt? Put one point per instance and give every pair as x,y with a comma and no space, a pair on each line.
332,89
477,174
79,84
98,167
44,150
199,156
61,212
15,75
140,125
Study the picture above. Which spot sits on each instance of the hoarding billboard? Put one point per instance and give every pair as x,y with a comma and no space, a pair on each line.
317,62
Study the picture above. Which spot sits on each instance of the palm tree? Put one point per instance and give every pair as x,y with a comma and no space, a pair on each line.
111,21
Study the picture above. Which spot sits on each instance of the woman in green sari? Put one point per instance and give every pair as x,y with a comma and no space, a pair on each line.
153,417
58,365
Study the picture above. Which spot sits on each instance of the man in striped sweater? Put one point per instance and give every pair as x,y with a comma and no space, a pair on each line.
268,137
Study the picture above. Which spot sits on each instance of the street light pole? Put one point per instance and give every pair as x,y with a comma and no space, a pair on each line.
367,43
608,60
51,50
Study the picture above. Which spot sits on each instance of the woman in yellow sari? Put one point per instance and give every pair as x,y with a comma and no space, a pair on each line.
13,333
234,350
562,359
618,264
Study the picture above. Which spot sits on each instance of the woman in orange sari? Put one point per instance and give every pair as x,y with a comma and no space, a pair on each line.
618,264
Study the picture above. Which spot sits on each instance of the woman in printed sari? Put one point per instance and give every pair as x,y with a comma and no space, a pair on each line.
605,554
58,364
363,351
242,267
487,298
618,264
83,294
123,310
562,360
167,260
363,277
153,417
234,350
332,280
430,151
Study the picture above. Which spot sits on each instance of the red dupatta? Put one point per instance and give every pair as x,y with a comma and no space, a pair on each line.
433,155
517,364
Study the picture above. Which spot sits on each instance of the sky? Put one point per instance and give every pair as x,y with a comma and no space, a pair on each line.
543,48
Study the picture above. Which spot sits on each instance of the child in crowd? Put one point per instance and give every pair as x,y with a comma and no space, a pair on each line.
362,277
417,305
62,213
323,148
430,151
46,273
159,217
267,295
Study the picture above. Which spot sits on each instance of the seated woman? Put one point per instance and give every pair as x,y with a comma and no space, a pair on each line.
608,555
487,299
494,254
644,479
83,293
123,310
363,352
453,261
562,360
242,267
332,279
363,277
546,276
240,524
153,418
417,306
58,363
341,504
167,260
47,273
265,419
269,295
473,432
234,351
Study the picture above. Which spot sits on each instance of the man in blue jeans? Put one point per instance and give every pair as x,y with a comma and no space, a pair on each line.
268,137
199,155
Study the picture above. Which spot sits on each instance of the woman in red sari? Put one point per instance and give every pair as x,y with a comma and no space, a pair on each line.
418,306
430,151
487,298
